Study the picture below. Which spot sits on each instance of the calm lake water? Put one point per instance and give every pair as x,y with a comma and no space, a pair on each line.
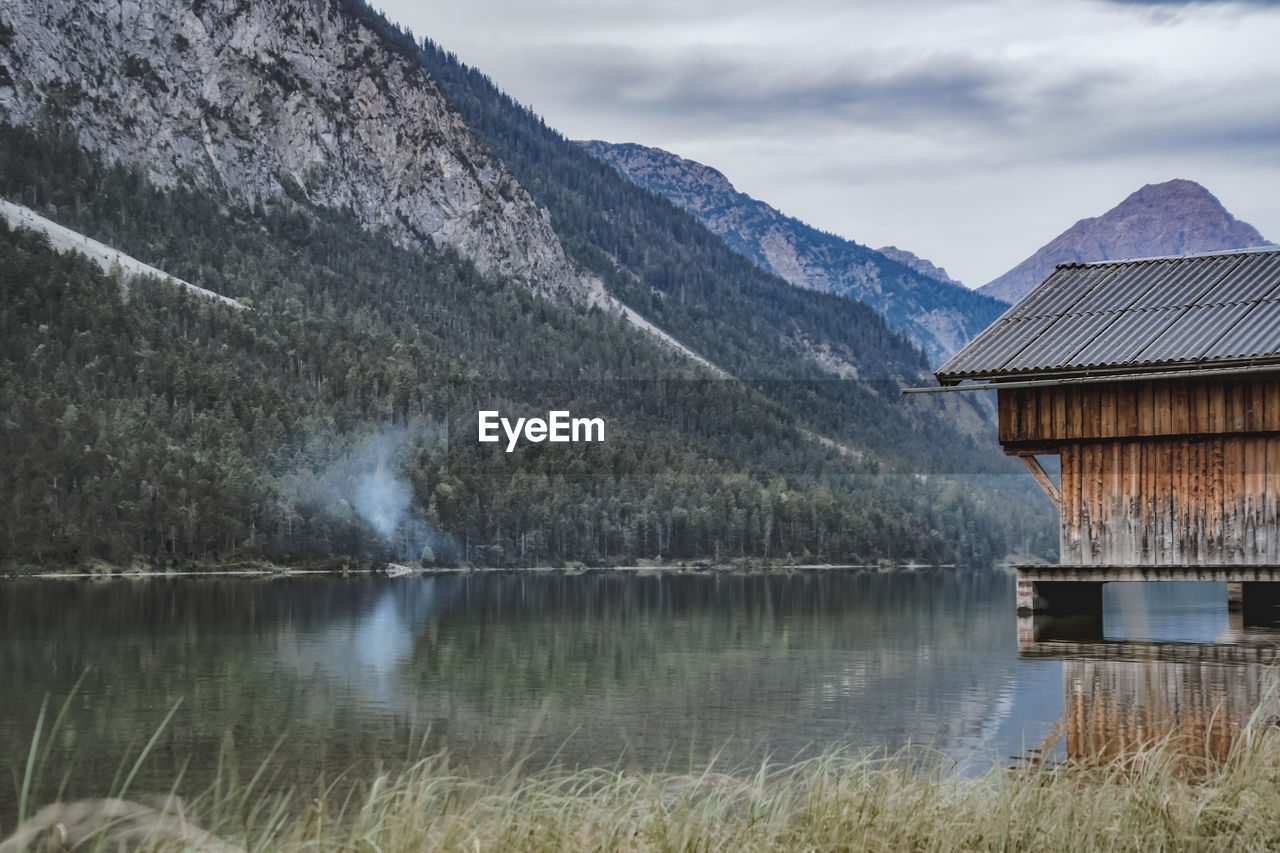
649,671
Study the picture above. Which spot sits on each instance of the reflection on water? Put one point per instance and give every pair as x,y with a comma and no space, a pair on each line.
1143,680
1198,709
650,671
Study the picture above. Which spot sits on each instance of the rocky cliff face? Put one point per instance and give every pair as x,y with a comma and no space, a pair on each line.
1174,218
940,316
257,99
917,263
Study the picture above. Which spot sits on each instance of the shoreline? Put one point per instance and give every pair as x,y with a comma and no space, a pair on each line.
395,570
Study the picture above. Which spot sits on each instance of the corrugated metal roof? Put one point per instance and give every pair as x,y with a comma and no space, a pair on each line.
1127,337
1125,316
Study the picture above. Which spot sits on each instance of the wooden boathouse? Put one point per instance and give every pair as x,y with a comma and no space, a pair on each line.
1156,383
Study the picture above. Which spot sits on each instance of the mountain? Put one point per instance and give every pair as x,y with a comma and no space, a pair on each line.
1177,217
405,247
256,99
919,264
938,314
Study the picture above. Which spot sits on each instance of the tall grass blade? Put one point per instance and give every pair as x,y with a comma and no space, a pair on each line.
25,790
137,765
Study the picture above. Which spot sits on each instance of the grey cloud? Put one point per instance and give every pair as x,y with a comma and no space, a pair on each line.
747,92
996,99
1275,3
1191,136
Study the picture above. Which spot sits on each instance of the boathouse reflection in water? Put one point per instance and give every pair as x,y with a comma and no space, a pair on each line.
1123,697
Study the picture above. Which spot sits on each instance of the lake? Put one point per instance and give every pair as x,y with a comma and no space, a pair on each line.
315,675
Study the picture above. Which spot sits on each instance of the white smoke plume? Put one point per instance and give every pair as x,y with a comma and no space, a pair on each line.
382,499
370,481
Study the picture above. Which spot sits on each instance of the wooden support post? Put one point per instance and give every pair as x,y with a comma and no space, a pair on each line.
1042,477
1059,597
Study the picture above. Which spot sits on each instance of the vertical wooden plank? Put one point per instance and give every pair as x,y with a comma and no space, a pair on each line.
1150,518
1213,498
1232,488
1067,484
1107,411
1017,422
1200,420
1271,405
1163,410
1071,501
1006,401
1271,498
1203,489
1254,405
1119,506
1044,414
1146,409
1102,505
1060,412
1217,408
1235,405
1195,502
1185,540
1097,519
1264,528
1255,460
1075,413
1179,408
1133,465
1151,494
1164,501
1115,505
1091,407
1237,506
1082,506
1027,414
1127,409
1192,503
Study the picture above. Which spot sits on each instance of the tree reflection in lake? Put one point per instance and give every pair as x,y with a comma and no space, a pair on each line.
650,670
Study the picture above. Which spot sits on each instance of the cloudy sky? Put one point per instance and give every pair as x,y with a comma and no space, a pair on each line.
968,131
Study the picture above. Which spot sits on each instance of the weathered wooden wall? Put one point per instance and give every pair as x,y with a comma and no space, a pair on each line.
1159,472
1154,502
1031,417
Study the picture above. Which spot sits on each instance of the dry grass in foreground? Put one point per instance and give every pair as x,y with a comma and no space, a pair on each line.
832,803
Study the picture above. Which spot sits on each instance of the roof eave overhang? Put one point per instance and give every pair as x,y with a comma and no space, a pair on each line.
1043,378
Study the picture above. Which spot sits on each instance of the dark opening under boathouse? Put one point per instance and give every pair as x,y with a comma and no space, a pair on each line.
1157,384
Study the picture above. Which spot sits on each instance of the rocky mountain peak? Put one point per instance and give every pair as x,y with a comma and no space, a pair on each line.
913,295
688,183
919,264
1175,217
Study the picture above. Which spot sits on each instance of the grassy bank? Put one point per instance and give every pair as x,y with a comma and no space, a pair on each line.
1155,802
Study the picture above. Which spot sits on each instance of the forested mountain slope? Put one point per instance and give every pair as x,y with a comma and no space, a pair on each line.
338,416
165,427
938,315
